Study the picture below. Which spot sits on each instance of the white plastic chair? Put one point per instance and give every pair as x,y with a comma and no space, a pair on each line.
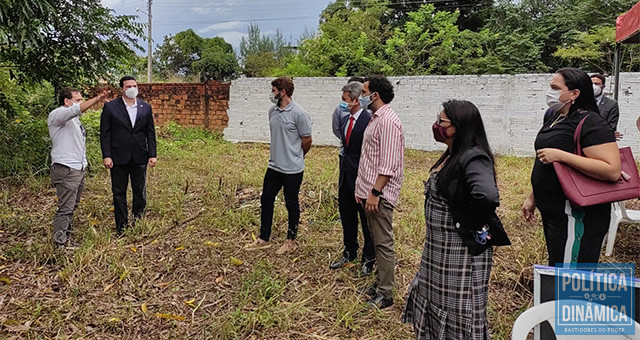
547,312
619,214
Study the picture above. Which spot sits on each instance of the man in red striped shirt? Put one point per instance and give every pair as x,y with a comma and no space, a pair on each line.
379,179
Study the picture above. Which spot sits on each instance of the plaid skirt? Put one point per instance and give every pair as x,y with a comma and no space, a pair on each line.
447,299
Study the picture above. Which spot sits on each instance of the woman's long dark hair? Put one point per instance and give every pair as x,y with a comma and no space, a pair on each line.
470,133
577,79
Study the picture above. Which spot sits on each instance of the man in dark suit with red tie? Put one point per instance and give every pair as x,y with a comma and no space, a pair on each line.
128,142
351,131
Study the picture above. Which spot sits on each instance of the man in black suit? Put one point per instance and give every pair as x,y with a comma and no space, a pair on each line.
128,142
351,133
608,107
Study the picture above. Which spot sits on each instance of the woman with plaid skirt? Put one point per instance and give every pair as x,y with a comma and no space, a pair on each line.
447,299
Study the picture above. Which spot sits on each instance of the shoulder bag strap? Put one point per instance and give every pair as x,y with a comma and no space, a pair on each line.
576,137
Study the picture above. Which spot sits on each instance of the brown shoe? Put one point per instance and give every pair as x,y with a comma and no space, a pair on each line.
288,246
258,244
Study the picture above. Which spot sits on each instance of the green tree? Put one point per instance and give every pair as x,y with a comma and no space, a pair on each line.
65,42
472,13
430,42
353,40
217,60
255,43
261,64
177,54
594,51
349,42
425,44
530,32
261,54
187,54
44,45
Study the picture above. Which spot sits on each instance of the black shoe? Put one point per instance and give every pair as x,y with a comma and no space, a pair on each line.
380,302
370,290
340,263
119,230
137,218
367,268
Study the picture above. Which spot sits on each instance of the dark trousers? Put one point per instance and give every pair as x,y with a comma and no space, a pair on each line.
273,182
120,175
349,212
576,235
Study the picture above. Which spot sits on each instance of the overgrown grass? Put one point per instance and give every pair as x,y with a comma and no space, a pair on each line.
182,273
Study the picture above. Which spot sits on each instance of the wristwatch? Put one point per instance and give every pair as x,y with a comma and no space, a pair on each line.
375,192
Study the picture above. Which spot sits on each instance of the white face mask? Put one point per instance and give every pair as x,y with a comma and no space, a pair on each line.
597,90
273,98
553,100
131,92
365,101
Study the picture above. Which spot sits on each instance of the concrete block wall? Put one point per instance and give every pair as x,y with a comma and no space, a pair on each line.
512,107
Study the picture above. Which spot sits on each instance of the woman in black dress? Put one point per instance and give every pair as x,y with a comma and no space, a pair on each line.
573,234
448,297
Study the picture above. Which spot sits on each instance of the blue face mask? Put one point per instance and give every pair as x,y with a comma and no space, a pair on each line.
344,106
365,101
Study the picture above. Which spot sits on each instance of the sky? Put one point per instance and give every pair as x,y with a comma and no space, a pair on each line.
228,19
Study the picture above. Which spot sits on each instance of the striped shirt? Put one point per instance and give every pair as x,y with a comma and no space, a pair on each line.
382,154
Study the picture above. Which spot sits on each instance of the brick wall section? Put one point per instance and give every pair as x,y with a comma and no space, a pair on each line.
512,107
189,104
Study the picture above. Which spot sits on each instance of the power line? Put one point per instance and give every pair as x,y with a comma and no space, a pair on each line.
358,3
230,21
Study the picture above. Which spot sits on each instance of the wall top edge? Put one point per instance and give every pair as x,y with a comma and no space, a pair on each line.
428,76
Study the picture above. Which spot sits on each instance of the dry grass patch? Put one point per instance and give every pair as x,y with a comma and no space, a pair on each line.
183,272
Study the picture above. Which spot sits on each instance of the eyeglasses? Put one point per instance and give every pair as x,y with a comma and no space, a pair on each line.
439,120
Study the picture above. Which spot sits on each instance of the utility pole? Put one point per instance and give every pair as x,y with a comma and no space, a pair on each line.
149,40
149,53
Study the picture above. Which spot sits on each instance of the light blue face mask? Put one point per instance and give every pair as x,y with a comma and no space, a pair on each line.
365,101
344,106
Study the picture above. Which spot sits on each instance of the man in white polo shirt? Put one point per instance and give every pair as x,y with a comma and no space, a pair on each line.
68,157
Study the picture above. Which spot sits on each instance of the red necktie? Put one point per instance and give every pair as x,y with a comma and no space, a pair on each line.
349,129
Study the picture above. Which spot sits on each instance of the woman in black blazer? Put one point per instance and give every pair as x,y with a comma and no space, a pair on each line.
448,297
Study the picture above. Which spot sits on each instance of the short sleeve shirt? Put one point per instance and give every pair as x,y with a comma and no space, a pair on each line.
547,191
288,126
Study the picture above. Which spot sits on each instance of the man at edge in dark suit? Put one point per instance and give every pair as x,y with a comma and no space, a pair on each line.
351,132
128,142
608,106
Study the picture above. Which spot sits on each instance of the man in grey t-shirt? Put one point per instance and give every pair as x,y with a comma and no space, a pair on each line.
290,127
68,157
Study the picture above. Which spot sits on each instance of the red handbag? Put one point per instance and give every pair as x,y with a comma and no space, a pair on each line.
583,190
